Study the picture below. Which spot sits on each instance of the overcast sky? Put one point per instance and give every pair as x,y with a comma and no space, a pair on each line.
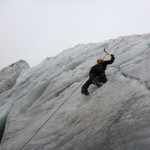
35,29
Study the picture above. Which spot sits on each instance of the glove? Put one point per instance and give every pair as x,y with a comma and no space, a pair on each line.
112,55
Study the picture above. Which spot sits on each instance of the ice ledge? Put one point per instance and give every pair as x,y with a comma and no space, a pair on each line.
9,75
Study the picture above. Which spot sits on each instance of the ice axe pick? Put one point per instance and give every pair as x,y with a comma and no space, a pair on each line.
106,52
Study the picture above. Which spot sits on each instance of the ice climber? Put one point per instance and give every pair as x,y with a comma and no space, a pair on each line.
97,74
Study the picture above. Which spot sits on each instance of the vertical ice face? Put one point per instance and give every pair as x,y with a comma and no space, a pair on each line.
114,116
8,77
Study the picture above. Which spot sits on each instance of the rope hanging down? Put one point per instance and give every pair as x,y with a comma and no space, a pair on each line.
51,115
62,104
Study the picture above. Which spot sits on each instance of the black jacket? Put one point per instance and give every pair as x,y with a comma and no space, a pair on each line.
101,67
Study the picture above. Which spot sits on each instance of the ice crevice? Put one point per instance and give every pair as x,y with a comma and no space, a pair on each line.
129,76
135,78
126,75
3,122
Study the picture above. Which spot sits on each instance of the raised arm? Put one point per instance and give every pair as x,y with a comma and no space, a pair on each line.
110,61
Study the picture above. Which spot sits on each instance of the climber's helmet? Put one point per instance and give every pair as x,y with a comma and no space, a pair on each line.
100,60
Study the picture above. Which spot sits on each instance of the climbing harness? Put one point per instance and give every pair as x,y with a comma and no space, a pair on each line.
64,101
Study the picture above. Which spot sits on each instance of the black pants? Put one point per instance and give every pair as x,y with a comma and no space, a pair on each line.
102,78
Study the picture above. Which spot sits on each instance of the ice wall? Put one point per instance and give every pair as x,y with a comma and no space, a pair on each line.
8,77
115,116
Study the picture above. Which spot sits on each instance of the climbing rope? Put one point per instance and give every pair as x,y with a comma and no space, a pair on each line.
116,45
119,44
62,103
51,115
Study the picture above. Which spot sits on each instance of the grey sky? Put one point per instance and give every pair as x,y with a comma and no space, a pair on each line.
35,29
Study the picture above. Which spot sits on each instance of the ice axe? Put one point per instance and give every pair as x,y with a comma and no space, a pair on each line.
106,52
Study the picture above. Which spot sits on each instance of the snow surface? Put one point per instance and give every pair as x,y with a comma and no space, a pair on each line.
115,116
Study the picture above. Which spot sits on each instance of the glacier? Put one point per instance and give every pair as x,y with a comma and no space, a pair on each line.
115,116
